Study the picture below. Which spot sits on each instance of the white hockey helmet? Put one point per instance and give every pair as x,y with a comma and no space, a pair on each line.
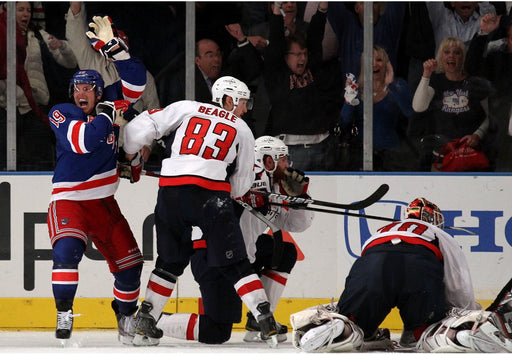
231,86
271,146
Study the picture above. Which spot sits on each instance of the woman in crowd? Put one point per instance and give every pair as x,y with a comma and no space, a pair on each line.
391,110
455,102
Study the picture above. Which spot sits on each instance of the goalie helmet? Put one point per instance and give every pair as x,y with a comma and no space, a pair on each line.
424,210
271,146
91,77
230,86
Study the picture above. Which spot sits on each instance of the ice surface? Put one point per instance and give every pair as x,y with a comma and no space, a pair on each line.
105,341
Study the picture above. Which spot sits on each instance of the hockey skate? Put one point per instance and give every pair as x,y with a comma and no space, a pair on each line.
146,332
268,326
253,330
125,326
64,324
380,341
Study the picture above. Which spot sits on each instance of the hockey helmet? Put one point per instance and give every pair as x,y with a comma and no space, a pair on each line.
424,210
230,86
271,146
91,77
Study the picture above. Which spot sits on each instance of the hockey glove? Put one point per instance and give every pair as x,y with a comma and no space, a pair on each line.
131,170
103,39
258,202
121,106
296,183
106,108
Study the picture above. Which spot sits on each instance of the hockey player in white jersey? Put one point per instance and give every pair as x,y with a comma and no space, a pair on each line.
411,264
211,161
273,174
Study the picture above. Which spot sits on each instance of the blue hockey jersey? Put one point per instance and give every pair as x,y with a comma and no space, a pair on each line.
86,154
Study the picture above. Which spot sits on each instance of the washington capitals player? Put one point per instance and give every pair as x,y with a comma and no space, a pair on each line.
212,158
83,207
273,174
411,264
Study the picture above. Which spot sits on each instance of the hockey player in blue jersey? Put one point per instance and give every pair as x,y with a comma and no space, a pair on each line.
82,205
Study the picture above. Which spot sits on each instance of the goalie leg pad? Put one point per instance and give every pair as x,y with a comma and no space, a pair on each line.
455,333
321,337
323,329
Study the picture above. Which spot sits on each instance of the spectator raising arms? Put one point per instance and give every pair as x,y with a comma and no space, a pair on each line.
38,87
456,102
392,100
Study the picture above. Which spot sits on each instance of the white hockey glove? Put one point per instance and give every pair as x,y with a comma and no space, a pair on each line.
131,170
108,109
351,90
104,41
121,106
296,183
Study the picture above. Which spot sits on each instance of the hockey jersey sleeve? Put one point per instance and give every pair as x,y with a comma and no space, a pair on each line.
74,133
457,278
243,174
133,77
153,124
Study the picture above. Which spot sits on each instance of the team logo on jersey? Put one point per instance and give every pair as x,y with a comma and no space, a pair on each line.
229,254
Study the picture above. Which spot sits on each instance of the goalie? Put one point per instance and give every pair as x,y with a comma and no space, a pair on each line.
410,264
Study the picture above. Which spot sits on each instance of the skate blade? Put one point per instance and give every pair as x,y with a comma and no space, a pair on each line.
272,341
143,340
255,337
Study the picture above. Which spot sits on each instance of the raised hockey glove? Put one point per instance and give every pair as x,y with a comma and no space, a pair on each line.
131,170
105,41
295,183
108,109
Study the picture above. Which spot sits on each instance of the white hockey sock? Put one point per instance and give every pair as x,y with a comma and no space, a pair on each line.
274,283
180,325
158,292
250,289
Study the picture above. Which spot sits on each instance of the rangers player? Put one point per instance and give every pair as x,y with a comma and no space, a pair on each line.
82,204
211,160
273,174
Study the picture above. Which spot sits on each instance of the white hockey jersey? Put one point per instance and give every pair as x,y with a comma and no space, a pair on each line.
457,278
287,219
212,147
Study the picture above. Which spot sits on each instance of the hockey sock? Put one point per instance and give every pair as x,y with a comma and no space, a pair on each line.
127,289
274,283
160,286
250,289
180,325
67,253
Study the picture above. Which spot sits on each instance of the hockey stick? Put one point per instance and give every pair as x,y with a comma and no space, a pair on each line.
350,214
370,200
276,233
150,173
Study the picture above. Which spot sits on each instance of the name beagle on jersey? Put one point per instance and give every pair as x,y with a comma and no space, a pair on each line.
217,112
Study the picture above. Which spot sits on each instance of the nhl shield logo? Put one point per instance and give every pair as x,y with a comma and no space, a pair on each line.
64,221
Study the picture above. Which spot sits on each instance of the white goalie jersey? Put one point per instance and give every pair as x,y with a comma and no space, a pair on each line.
287,219
212,147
